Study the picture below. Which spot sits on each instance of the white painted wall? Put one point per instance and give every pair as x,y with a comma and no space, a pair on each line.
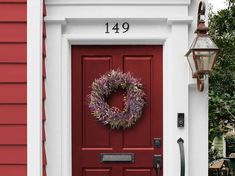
198,132
198,114
152,22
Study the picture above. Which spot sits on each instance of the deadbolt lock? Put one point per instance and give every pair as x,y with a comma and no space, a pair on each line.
157,142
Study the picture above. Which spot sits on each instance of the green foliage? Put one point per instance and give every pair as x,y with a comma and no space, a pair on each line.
222,79
230,139
213,155
230,145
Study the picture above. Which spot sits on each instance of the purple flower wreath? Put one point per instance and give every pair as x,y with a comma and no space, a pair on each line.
134,99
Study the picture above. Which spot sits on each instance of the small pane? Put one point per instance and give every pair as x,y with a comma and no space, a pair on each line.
205,60
191,62
203,42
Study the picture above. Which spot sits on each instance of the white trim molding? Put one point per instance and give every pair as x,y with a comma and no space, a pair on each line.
34,87
170,20
117,3
164,24
66,96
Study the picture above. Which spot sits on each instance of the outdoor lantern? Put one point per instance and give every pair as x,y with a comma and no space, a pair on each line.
203,51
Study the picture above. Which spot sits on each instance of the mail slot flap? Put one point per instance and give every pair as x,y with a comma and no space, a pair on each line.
117,157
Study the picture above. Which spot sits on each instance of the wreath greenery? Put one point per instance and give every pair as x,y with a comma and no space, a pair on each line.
134,99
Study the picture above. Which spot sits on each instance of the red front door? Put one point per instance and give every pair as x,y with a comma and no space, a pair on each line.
91,139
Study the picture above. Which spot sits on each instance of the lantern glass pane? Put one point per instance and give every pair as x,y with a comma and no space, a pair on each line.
204,60
191,63
203,42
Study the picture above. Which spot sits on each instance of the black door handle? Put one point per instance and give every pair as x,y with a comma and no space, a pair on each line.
157,159
180,141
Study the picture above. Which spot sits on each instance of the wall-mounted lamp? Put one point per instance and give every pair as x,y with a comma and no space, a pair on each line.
203,52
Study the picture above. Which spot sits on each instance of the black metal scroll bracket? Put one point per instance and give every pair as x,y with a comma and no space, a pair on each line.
201,11
180,141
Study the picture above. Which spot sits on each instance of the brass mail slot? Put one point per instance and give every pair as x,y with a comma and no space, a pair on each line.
117,157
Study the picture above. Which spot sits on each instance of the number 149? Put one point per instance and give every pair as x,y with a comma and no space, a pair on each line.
117,28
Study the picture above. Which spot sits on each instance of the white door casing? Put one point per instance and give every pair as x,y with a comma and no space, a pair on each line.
161,23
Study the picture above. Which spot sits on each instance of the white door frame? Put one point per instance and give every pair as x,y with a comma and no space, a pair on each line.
66,67
58,87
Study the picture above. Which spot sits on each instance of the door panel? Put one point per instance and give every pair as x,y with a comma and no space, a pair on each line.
141,68
91,138
96,172
137,172
98,136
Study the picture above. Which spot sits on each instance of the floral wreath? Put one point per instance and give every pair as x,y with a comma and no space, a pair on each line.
134,99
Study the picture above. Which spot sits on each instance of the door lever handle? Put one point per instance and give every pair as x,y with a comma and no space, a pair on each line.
157,159
180,141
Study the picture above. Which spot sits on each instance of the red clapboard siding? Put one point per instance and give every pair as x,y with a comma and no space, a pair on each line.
13,88
44,171
44,32
44,48
43,132
13,114
43,113
18,154
13,32
13,135
44,159
13,170
13,93
44,69
13,73
13,12
7,56
44,90
13,1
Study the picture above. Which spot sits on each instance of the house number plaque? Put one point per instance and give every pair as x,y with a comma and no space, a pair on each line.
117,28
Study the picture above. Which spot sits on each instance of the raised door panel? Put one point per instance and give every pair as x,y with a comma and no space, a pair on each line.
96,172
137,172
140,135
94,134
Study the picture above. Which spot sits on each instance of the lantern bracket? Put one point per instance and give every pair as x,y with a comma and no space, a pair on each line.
200,82
201,11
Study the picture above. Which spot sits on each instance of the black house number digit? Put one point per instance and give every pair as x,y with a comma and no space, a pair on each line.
117,28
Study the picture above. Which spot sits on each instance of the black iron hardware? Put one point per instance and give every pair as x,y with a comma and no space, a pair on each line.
157,159
180,120
180,141
117,157
157,142
201,11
